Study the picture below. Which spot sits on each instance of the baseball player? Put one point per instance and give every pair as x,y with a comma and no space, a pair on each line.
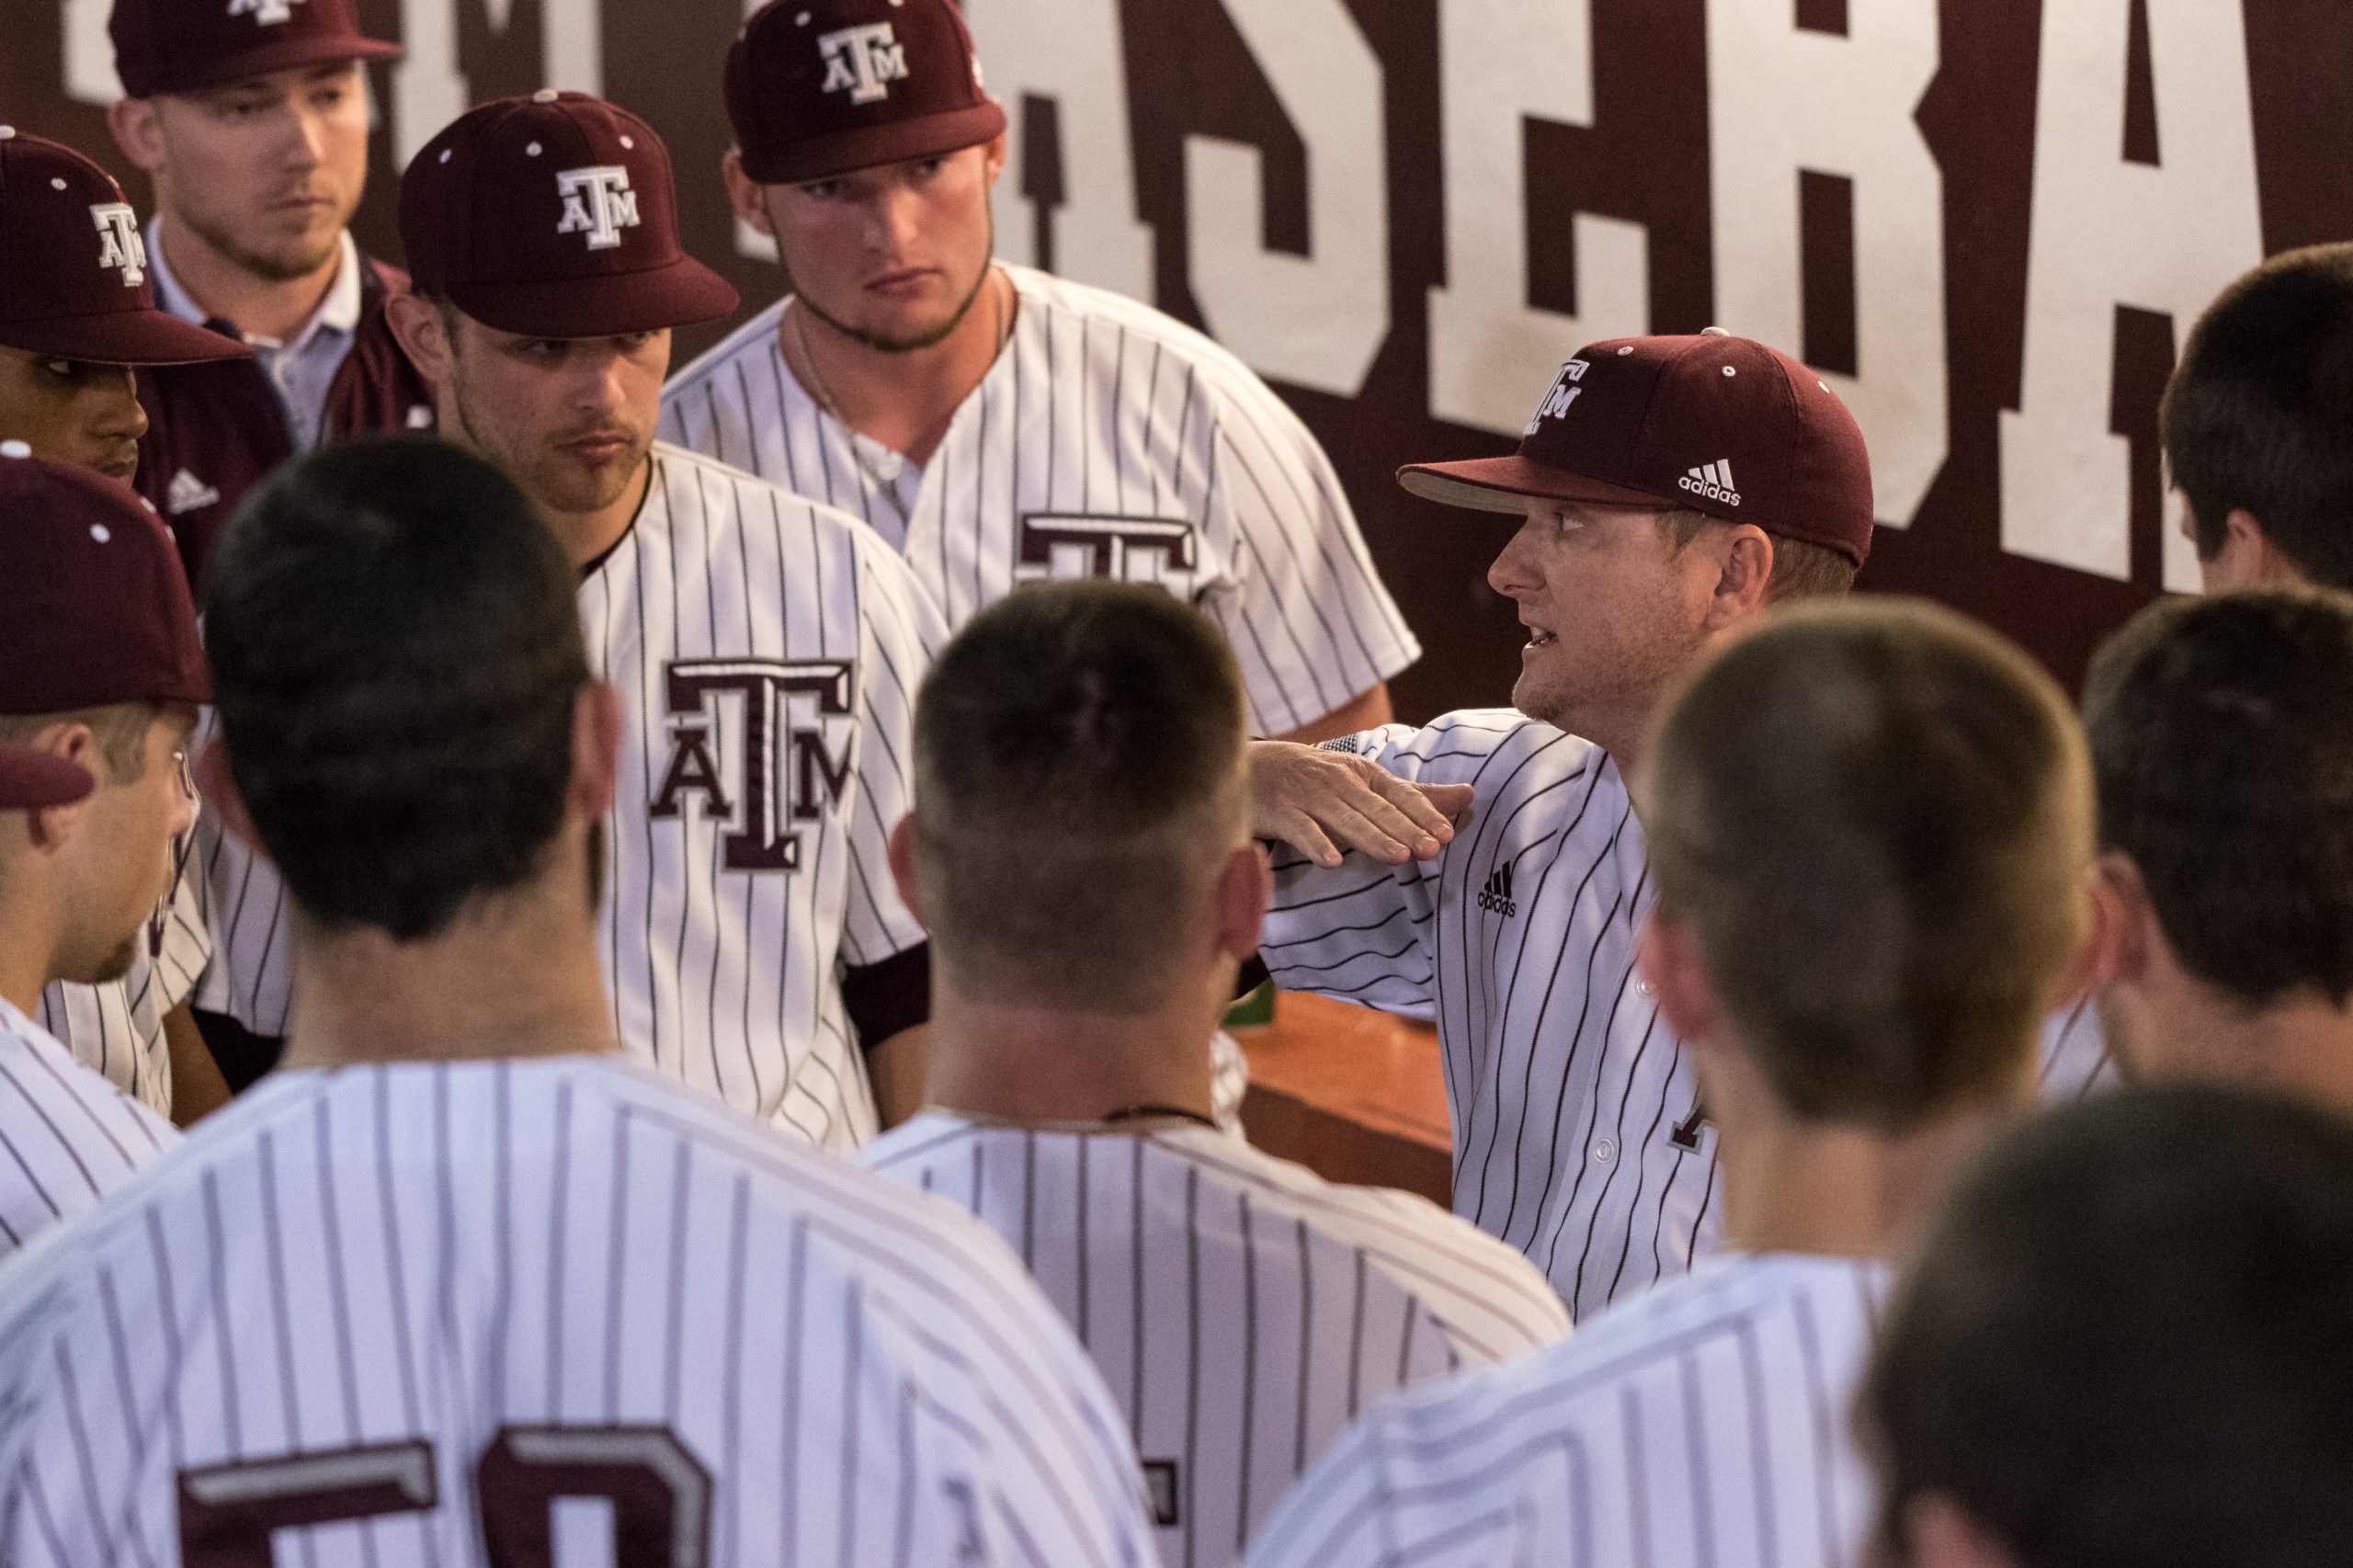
251,119
2229,877
77,313
1667,490
1870,829
996,425
1079,853
100,674
767,648
2128,1341
459,1285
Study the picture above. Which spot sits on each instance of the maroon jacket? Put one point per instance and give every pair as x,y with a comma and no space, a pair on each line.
220,424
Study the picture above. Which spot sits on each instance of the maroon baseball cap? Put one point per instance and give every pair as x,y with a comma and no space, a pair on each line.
820,88
554,216
74,277
29,778
1718,424
94,604
178,46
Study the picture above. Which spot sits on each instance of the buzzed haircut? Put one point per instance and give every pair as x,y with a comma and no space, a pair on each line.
2259,412
1800,570
1875,817
2129,1340
118,728
396,658
1078,773
2222,737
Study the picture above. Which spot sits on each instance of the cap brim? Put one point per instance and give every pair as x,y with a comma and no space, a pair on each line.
290,55
680,294
1506,484
29,779
928,136
124,337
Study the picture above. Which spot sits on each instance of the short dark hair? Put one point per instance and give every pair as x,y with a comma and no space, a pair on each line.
2222,736
1800,571
119,728
2259,412
1078,772
2129,1340
396,656
1875,816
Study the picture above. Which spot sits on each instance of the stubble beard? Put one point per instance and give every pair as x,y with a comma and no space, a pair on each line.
286,265
549,482
929,338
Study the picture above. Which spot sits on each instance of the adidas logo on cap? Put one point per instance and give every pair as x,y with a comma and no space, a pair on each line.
1713,481
188,493
1496,897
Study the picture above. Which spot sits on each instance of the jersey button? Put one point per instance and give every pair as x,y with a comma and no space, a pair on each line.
1605,1151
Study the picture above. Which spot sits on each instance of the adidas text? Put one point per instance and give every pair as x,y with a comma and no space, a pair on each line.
1496,897
1714,481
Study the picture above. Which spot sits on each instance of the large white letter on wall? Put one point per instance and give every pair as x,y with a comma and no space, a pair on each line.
429,90
1780,100
1491,355
2107,232
1318,319
1069,51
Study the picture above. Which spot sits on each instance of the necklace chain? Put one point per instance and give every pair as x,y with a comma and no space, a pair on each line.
827,401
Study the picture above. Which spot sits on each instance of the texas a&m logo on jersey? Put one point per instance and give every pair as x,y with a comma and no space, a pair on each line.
597,202
811,763
863,61
120,244
1058,546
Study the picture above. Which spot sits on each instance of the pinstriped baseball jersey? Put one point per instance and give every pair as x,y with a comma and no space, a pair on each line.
1109,440
1703,1423
117,1029
1572,1108
558,1311
768,652
2076,1062
1241,1308
67,1136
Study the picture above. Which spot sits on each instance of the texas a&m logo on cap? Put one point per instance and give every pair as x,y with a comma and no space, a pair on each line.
1556,402
864,59
599,202
120,244
265,13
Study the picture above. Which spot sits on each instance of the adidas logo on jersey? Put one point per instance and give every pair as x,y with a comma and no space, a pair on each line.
1496,897
188,493
1714,481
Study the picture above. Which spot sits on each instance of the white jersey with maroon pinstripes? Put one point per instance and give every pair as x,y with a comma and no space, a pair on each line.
768,652
67,1136
1107,439
117,1029
1572,1108
1702,1424
377,1315
1242,1308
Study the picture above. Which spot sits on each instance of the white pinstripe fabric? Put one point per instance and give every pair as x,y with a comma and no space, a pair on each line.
1242,1308
1701,1423
67,1136
561,1300
117,1029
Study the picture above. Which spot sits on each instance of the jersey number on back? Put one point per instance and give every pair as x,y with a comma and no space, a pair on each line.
657,1492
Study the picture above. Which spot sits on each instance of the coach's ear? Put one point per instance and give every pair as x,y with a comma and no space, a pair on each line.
1668,956
217,787
595,750
903,869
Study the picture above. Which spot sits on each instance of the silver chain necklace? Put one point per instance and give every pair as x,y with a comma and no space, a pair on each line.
825,394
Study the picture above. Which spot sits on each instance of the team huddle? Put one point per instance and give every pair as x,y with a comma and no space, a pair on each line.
608,966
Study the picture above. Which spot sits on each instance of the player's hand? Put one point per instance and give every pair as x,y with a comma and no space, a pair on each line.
1322,802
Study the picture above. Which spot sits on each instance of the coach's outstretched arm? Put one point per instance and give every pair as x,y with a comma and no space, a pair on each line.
1309,796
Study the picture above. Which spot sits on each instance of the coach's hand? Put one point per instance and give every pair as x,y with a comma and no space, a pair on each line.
1307,798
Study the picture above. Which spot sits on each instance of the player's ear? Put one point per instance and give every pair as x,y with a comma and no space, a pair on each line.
2124,927
217,787
1744,572
424,336
993,157
137,132
743,193
1669,957
1244,886
595,750
903,869
1939,1533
